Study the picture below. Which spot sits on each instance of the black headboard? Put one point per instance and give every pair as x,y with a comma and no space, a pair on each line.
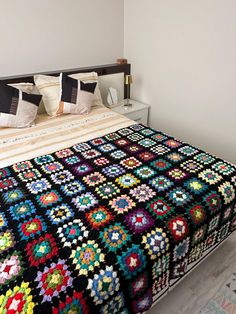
100,69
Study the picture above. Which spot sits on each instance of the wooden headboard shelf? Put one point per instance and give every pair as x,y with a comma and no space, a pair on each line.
100,69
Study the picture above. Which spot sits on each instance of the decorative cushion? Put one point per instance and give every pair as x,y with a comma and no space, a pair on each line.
49,88
76,96
17,109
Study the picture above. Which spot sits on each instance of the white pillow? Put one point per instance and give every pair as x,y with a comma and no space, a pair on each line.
49,88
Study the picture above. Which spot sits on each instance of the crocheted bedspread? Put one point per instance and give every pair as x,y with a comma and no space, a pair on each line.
108,225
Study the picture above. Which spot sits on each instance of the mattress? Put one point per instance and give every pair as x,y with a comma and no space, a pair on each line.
110,220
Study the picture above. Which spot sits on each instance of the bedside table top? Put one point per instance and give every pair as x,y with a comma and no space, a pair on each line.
136,106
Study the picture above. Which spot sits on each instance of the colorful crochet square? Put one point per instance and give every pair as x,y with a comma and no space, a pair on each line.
72,232
181,249
122,142
32,227
131,261
204,158
142,193
177,174
160,208
179,268
6,241
52,167
17,300
60,214
72,188
197,214
114,237
7,183
160,149
122,204
118,154
227,191
214,223
72,160
127,180
53,280
196,253
105,148
72,304
11,267
41,160
175,157
130,163
138,285
139,221
89,154
4,173
210,240
159,137
156,243
85,201
48,199
213,202
191,166
94,179
210,176
161,183
98,217
135,137
178,228
147,142
147,132
179,196
13,196
22,210
22,166
99,141
223,232
144,172
86,257
161,164
199,235
62,177
113,171
38,186
143,303
111,137
223,168
29,175
146,156
42,249
195,185
81,147
64,153
134,148
172,143
102,161
107,190
188,150
103,285
83,169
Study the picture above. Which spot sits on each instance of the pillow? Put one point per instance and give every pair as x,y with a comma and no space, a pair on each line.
30,89
76,96
17,109
49,88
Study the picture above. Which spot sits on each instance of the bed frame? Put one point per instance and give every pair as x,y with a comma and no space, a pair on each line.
100,69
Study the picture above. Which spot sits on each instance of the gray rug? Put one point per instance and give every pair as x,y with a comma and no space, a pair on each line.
224,301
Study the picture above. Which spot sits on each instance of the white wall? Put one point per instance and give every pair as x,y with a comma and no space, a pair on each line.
183,56
43,35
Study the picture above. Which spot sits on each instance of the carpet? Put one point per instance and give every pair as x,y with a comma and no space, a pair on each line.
224,301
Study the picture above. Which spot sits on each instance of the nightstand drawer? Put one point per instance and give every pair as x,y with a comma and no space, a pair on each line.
138,116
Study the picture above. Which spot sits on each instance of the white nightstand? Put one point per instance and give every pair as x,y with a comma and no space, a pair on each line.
137,112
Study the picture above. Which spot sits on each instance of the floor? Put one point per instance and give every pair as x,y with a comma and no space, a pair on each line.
199,286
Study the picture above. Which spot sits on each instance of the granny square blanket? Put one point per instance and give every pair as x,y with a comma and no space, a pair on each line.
107,226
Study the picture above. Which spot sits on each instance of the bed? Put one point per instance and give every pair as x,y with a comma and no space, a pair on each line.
99,214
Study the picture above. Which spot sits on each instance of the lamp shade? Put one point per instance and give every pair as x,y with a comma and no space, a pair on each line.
128,79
